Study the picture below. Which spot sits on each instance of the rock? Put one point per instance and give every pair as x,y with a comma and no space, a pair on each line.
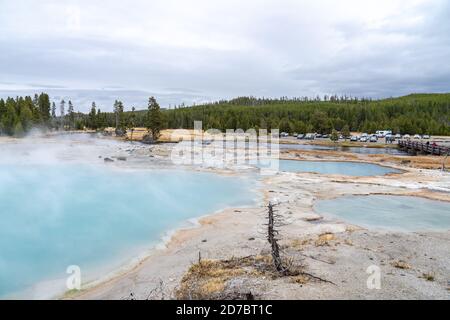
122,158
147,139
401,265
120,132
108,160
312,218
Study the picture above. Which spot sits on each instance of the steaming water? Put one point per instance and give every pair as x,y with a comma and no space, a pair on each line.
336,167
53,216
389,212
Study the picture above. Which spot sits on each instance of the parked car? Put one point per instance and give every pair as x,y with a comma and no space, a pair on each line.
407,137
426,136
389,138
301,136
363,139
326,136
373,138
318,135
310,136
417,136
284,134
354,138
383,133
398,136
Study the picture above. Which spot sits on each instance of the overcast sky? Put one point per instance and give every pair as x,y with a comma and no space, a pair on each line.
195,51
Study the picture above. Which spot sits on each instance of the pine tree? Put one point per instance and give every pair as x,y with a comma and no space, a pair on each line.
71,114
118,112
53,110
334,136
345,131
155,121
26,118
93,117
44,107
18,129
2,108
2,114
37,117
10,118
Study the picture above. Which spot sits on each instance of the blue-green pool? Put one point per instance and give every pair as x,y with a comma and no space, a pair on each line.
336,167
402,213
53,216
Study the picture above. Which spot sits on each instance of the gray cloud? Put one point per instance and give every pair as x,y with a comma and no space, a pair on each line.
183,53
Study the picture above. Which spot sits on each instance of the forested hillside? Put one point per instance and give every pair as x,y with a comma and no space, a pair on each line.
416,113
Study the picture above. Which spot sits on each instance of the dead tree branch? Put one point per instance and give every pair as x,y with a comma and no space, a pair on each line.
271,237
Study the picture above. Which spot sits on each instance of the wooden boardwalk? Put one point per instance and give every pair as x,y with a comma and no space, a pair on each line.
427,148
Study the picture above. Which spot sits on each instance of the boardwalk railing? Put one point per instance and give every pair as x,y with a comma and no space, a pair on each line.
424,147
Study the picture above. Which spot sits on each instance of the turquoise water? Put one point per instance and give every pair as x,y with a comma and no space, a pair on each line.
335,167
361,150
389,212
60,215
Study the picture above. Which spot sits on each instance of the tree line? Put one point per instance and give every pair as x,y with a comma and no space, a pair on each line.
19,115
417,113
152,118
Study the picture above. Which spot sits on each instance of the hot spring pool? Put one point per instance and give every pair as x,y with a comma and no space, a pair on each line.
399,213
336,167
361,150
53,216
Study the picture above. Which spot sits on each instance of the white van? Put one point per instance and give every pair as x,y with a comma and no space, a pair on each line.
383,133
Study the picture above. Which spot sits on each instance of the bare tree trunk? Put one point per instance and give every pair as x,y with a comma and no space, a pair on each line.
271,237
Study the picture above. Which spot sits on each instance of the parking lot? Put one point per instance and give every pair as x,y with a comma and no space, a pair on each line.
441,140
